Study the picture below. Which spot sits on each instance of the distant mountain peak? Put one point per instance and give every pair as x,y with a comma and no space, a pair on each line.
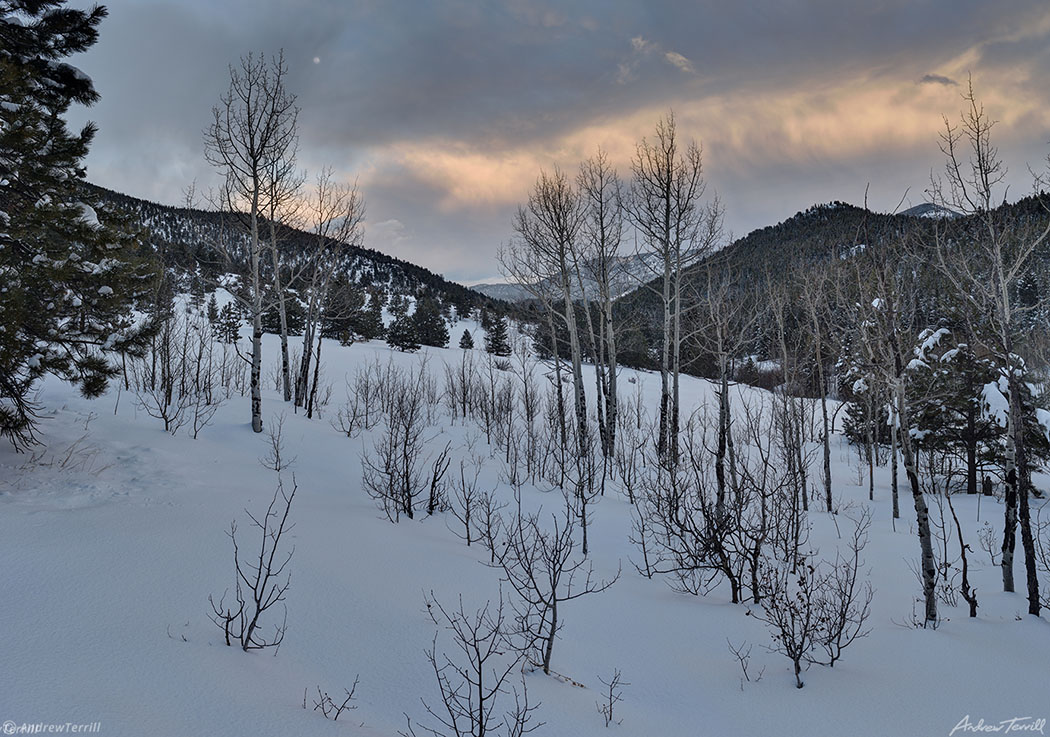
930,210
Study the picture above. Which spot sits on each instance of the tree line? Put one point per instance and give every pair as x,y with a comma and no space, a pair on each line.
925,340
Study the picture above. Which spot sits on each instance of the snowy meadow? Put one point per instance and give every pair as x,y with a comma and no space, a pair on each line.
115,533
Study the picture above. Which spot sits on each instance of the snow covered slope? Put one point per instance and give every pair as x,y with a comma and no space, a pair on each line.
113,537
930,210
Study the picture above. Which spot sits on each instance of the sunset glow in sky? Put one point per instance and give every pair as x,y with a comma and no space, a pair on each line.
446,111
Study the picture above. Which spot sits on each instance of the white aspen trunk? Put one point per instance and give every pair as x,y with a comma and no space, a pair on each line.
922,513
894,450
825,423
286,368
579,391
723,434
256,370
611,397
665,362
302,381
676,365
1016,452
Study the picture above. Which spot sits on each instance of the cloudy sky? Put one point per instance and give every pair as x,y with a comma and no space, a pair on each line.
445,111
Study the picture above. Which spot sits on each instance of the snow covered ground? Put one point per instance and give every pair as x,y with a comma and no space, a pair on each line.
113,537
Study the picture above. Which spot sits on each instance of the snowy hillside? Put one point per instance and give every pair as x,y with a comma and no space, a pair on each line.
507,292
189,238
114,536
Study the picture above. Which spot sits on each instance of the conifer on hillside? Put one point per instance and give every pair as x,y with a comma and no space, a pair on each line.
70,275
496,341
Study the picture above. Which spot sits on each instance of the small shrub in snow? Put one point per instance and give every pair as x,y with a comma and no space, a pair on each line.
791,611
329,707
363,408
742,653
261,581
614,695
276,459
178,381
394,472
988,539
477,697
465,498
815,610
543,568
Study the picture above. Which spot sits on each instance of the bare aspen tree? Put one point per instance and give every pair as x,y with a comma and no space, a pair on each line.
612,696
969,593
689,530
530,400
549,226
438,497
683,527
665,205
632,438
985,274
530,270
790,402
338,212
252,128
488,514
465,497
329,707
598,261
887,335
583,488
395,473
362,410
818,315
282,186
894,471
178,379
724,324
846,599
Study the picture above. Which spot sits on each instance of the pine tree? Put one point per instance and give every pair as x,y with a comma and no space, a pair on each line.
496,341
343,307
467,341
1036,438
294,316
213,309
397,306
228,326
428,323
949,407
69,278
196,290
402,335
369,322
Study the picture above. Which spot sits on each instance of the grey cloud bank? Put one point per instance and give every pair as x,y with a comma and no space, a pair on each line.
446,110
